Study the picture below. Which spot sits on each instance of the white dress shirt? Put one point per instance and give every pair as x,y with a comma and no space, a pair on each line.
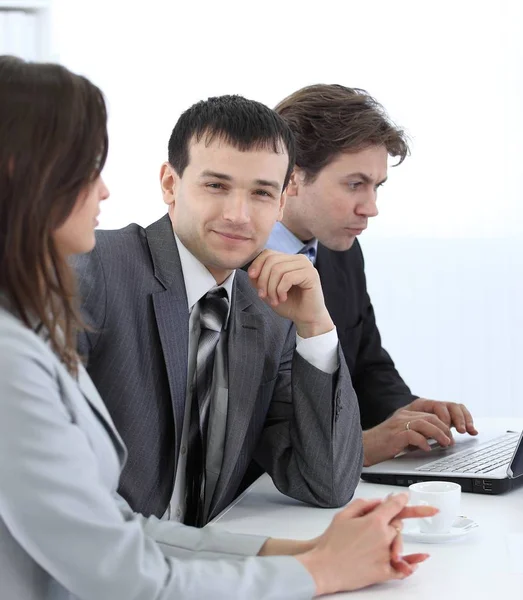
320,351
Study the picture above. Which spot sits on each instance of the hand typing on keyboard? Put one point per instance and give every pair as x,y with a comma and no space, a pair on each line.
414,425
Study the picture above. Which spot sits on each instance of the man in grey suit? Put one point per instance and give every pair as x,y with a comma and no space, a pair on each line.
272,385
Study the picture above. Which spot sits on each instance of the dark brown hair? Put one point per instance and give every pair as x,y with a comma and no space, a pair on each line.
329,119
244,124
53,145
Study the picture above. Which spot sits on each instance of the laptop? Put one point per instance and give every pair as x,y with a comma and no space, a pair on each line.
489,463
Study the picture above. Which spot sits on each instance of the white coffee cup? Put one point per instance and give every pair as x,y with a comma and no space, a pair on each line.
443,495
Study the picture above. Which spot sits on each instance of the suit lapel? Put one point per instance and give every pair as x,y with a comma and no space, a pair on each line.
333,278
172,314
172,318
246,351
89,392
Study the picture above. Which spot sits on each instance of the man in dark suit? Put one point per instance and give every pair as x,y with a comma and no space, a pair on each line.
203,367
343,140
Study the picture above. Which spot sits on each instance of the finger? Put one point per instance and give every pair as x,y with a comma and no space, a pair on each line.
414,559
391,507
276,273
417,404
469,421
299,277
289,279
437,422
458,417
265,271
413,438
396,549
370,506
441,410
257,264
261,266
416,512
406,565
432,427
402,568
360,507
280,276
462,419
273,268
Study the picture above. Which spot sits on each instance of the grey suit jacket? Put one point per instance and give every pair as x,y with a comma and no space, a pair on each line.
64,532
301,424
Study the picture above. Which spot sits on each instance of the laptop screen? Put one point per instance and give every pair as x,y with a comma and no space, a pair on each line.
516,466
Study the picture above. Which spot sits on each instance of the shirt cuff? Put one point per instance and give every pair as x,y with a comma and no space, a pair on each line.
179,541
321,351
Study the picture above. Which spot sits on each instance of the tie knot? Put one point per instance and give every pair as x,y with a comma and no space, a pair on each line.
214,307
310,251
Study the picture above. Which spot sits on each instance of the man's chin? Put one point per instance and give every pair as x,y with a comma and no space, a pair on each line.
245,263
340,245
232,264
240,262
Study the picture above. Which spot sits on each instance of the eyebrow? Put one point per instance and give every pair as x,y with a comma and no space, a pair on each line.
365,177
266,183
216,174
263,182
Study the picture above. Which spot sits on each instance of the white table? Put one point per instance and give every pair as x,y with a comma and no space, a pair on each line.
487,563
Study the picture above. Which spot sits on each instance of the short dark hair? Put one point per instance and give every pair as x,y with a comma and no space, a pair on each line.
245,124
329,119
53,145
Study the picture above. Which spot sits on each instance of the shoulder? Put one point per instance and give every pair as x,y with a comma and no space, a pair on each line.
33,387
19,344
348,259
116,249
127,236
115,245
24,355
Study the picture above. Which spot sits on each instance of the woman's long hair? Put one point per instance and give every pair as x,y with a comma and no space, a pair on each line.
53,145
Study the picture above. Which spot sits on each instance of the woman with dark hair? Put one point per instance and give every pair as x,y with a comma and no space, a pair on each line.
64,531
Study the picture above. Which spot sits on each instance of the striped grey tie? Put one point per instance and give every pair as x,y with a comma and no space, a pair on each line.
213,312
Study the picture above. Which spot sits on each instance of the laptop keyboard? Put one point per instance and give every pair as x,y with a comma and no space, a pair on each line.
483,459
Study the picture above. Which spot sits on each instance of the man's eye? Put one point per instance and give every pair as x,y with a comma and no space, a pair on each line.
354,185
263,193
215,186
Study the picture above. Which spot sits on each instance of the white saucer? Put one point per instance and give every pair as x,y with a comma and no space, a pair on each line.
460,528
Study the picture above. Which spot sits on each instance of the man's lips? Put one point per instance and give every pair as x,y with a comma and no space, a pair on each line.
232,236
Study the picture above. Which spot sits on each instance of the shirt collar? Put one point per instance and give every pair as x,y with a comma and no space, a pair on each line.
283,240
200,280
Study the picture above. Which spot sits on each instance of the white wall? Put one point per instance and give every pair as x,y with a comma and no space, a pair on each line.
444,258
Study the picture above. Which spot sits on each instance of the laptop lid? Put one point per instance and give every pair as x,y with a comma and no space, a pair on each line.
515,468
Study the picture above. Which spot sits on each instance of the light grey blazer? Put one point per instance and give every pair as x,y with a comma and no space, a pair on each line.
64,531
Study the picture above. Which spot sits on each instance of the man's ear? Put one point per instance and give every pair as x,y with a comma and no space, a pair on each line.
168,181
283,200
292,186
296,181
